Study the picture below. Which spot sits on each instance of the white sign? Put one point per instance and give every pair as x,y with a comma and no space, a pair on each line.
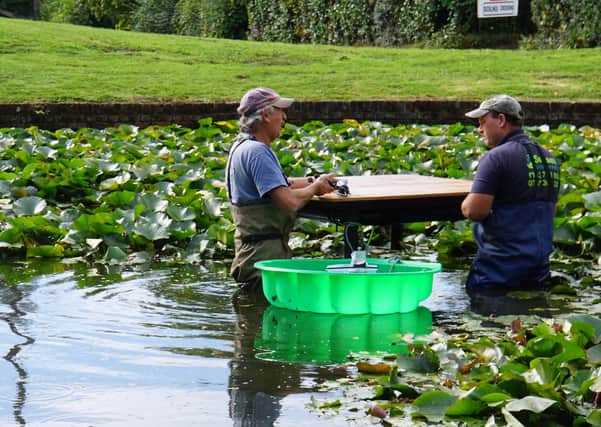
497,8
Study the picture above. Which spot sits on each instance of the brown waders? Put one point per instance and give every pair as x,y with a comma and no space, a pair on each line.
262,233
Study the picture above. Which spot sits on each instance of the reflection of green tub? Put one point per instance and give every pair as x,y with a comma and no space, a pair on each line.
304,337
304,284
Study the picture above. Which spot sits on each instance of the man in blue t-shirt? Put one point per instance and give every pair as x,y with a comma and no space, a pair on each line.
263,200
512,201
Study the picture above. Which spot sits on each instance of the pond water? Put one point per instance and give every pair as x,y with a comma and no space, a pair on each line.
171,345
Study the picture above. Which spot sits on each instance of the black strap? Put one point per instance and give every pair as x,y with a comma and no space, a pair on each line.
237,143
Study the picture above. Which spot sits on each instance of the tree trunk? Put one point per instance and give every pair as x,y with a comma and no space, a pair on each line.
36,9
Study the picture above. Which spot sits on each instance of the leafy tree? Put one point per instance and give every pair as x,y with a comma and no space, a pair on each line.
211,18
155,16
97,13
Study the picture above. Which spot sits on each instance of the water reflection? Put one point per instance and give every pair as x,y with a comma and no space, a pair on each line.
491,303
163,345
256,386
305,337
12,296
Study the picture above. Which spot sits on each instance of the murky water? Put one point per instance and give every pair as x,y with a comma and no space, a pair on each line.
164,346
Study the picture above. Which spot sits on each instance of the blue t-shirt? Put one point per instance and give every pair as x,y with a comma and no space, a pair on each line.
515,240
252,171
513,175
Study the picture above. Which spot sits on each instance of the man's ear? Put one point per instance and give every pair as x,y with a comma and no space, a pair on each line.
502,119
265,117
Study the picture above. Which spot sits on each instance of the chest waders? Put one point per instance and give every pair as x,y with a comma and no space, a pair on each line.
262,232
515,240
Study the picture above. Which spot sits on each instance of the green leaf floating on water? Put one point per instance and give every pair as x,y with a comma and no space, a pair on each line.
465,407
530,403
433,405
592,200
31,205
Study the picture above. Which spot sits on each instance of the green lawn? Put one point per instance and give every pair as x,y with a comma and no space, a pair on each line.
45,62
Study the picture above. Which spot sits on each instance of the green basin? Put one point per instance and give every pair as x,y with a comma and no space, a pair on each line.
304,337
304,284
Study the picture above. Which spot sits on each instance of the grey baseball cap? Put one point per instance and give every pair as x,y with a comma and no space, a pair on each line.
261,97
501,104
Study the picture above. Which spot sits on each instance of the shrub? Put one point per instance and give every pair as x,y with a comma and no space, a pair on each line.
155,16
211,18
565,23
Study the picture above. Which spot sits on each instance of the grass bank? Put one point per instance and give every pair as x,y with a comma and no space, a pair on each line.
47,62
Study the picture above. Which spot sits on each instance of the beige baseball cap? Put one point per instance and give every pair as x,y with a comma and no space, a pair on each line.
501,104
261,97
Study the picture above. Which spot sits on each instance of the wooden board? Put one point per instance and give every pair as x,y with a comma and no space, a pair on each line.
410,186
391,199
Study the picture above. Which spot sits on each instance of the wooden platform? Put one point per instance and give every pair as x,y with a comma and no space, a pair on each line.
391,199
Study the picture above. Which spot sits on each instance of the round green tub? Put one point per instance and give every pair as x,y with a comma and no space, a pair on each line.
304,284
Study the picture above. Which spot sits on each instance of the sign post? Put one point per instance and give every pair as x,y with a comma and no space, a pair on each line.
497,8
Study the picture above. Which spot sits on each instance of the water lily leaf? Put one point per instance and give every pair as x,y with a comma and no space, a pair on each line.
594,354
153,203
592,200
107,166
11,236
151,231
93,243
433,405
183,229
596,385
46,251
114,255
181,213
570,351
530,403
119,198
594,324
145,170
47,152
543,372
5,188
100,224
594,418
510,419
31,205
116,182
139,258
165,188
424,362
544,347
212,206
465,407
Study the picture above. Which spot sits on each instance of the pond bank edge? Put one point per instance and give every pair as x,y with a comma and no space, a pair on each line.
52,116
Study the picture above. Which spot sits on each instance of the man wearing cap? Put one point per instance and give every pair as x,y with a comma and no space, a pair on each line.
263,200
512,201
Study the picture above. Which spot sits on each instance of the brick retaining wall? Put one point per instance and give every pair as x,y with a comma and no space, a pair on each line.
78,115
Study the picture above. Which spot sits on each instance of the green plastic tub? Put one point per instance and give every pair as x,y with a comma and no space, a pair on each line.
305,337
305,284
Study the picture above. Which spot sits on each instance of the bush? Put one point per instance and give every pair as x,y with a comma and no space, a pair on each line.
349,22
565,23
68,11
155,16
271,20
106,13
211,18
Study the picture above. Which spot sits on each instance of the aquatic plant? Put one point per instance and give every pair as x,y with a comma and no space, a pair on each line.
126,194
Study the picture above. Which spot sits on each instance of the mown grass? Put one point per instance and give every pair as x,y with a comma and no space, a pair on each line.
46,62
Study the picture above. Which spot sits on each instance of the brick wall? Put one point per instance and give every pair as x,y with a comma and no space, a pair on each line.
77,115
